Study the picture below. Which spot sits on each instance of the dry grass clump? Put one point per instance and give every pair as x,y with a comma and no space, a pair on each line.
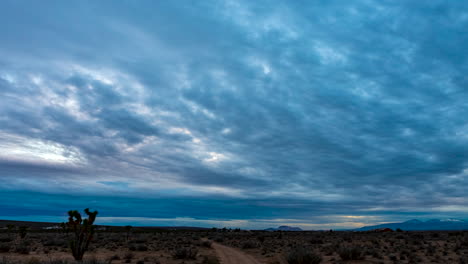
249,244
210,260
5,247
35,260
23,248
206,244
351,253
303,256
185,253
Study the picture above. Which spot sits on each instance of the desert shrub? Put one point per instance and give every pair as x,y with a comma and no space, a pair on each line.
57,261
93,261
54,242
33,260
210,260
129,256
206,244
23,248
5,260
374,253
6,239
316,241
128,230
329,250
219,239
303,256
23,231
141,247
185,253
132,247
393,257
115,257
463,260
4,247
351,253
141,240
111,246
249,244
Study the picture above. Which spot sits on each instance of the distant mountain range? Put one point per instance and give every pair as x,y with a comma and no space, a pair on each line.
417,225
31,225
284,228
49,225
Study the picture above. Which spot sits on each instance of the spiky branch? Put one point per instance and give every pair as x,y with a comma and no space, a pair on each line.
83,230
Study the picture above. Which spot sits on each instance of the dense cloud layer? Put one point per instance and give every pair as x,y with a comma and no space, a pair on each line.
252,113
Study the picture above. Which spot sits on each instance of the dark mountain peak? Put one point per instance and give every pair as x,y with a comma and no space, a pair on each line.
415,224
284,228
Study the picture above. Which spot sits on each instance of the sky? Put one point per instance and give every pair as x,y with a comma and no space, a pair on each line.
250,114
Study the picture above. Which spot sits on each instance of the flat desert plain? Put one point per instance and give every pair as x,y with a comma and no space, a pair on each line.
211,246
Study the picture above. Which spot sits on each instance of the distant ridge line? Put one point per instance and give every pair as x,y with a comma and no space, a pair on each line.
42,225
418,225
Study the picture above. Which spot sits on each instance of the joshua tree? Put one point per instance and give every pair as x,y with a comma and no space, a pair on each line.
83,230
128,229
23,231
64,228
10,228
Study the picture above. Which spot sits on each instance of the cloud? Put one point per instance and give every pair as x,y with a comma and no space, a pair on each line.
276,109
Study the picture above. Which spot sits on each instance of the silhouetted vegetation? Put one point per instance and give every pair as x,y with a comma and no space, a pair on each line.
303,256
351,253
186,253
165,246
83,230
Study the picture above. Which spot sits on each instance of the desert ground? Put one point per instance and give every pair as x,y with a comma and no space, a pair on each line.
211,246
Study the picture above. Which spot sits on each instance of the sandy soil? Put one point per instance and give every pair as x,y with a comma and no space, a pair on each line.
242,247
229,255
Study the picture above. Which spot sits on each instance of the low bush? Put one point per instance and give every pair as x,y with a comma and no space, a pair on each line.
129,256
249,244
141,247
23,248
303,256
4,247
114,257
351,253
206,244
33,260
54,242
4,260
6,239
210,260
185,253
58,261
93,261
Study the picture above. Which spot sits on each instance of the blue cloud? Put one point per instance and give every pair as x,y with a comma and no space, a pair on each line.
239,110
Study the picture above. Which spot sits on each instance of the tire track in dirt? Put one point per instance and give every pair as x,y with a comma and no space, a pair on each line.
229,255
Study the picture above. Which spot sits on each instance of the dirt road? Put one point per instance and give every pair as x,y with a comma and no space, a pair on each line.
228,255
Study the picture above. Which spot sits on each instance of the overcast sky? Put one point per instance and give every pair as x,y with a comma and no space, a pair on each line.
251,114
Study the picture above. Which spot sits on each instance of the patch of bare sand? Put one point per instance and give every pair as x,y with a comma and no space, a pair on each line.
228,255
